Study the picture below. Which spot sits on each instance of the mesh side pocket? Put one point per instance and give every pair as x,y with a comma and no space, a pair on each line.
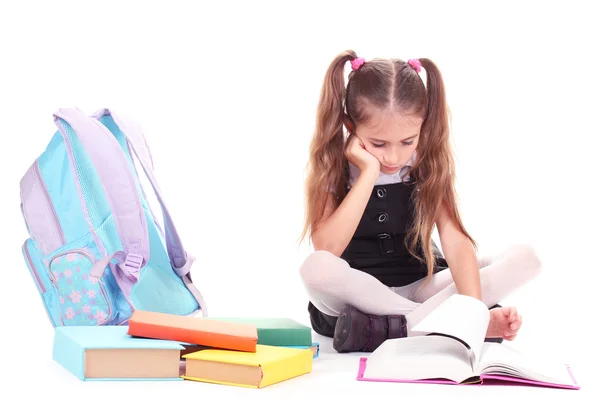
91,188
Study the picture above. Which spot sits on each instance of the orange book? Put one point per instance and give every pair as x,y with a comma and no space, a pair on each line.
199,331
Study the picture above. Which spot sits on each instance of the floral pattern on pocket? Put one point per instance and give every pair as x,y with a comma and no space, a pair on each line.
83,298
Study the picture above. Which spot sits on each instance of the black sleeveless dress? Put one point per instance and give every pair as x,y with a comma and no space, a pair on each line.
378,245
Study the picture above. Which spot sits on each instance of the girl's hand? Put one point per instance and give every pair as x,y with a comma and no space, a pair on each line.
504,323
357,154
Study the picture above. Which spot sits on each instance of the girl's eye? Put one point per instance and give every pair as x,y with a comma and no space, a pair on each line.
408,143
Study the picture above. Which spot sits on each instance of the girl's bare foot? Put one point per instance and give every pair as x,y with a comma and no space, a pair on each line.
504,323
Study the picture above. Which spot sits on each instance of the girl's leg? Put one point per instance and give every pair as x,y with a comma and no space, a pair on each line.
500,276
370,312
367,311
421,290
332,284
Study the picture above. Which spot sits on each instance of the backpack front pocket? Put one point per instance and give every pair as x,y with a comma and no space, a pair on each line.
85,298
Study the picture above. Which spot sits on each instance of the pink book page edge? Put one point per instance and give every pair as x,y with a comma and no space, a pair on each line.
485,379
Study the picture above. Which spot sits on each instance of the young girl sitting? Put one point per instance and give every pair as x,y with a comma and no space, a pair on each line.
373,199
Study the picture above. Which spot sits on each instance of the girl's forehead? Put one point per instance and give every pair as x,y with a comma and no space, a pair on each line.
388,125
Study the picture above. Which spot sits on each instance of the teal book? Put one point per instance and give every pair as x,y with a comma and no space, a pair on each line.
109,353
277,331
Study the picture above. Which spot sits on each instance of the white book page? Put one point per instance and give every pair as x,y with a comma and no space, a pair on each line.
503,359
461,316
420,357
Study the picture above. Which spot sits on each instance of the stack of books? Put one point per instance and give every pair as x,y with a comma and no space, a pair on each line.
246,352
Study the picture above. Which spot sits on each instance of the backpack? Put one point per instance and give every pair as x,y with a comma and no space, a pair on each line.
95,250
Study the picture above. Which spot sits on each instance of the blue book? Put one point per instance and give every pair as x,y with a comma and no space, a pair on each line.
109,353
315,347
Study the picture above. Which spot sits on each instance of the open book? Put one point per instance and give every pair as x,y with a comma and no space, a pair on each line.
453,351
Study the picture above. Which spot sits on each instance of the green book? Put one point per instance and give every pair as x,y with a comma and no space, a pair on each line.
276,331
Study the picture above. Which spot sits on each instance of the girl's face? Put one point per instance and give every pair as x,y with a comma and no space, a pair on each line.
391,137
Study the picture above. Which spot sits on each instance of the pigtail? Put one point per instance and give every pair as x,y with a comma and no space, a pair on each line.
435,170
436,118
326,164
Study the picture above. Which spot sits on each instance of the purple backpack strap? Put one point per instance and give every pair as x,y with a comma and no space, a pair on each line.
181,260
117,182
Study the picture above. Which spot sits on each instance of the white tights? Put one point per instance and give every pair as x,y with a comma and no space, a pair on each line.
331,284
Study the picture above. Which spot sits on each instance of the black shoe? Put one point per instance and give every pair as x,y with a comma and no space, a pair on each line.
359,332
321,323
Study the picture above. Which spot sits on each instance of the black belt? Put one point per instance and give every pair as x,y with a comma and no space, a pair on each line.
383,244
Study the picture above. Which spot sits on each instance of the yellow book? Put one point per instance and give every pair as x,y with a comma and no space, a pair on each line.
266,366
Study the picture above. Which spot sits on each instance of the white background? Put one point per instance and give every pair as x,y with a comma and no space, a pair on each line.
227,95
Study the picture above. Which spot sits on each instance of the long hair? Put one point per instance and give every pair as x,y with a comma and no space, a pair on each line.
385,84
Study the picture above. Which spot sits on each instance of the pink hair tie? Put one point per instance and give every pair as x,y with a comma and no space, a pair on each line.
416,64
356,63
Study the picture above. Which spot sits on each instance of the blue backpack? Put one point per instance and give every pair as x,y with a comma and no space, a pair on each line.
95,250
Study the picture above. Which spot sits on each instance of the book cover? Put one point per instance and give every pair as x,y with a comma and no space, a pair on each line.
267,366
201,331
109,353
275,331
453,351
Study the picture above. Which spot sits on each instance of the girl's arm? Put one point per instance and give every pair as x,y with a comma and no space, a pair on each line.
337,226
460,255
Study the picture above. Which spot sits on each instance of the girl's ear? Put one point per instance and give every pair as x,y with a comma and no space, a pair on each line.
348,123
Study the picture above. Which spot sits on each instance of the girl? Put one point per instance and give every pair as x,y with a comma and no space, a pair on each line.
373,200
